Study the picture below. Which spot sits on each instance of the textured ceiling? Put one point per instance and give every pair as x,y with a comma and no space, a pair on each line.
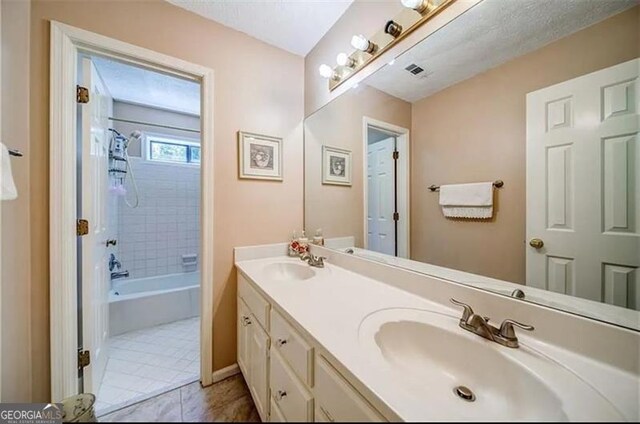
137,85
491,33
292,25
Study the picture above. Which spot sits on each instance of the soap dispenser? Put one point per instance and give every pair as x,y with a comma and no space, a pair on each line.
303,241
318,239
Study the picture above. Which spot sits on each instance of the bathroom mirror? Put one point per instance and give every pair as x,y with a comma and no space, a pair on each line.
537,99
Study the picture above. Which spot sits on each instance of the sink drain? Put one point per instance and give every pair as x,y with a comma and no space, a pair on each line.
464,393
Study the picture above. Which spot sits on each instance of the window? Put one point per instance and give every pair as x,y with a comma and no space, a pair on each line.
163,149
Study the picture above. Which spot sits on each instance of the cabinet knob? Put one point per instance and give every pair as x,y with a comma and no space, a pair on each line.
246,320
281,342
281,394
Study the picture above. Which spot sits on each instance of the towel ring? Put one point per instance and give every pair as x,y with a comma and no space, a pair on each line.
496,184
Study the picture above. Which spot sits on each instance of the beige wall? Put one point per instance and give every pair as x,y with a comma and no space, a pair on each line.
362,17
15,231
339,210
258,88
475,131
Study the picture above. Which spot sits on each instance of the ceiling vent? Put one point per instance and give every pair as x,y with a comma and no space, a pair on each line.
414,69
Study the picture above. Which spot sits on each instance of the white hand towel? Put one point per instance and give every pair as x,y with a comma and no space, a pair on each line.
467,200
7,186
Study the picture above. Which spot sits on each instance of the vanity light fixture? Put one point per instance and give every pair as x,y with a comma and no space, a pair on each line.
420,6
361,42
343,59
393,28
327,72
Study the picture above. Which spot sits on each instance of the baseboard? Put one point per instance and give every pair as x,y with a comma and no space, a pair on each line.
225,372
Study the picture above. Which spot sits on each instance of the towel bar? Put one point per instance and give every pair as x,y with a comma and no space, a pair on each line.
496,184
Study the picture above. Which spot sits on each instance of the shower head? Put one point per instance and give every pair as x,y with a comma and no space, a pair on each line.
136,135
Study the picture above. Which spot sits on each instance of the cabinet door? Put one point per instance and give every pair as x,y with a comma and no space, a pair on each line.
243,338
258,367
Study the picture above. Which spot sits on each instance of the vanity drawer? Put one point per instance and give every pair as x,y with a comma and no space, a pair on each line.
337,400
292,346
292,398
256,303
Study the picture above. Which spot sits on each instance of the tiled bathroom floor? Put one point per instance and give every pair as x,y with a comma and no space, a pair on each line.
147,362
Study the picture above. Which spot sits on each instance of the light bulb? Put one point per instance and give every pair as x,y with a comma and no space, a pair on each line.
360,42
343,59
326,71
417,5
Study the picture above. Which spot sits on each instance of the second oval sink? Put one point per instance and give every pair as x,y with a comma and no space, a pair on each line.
465,377
287,271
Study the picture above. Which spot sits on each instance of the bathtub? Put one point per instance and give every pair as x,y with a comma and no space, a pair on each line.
140,303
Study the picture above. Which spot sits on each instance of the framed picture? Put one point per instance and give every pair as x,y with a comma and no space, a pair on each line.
259,156
336,166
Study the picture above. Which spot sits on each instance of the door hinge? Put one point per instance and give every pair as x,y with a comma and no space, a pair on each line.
396,216
82,94
396,155
82,227
84,358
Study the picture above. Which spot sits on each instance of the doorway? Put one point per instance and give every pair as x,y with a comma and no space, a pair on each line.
69,260
139,192
386,187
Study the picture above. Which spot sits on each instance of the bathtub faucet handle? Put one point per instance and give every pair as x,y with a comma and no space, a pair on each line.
114,263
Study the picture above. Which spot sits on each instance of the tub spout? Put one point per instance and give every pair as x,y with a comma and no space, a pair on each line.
119,274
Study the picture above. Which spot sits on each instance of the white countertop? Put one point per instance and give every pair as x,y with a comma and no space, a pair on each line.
331,307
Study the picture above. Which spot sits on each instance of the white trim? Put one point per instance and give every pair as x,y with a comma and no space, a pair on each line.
66,42
402,145
225,373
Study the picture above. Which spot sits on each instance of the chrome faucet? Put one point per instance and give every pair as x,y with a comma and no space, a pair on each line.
119,274
115,264
505,335
313,260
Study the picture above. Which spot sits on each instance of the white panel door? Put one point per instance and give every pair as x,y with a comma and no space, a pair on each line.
583,186
94,180
381,228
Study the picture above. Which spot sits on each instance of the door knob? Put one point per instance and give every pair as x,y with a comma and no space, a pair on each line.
536,243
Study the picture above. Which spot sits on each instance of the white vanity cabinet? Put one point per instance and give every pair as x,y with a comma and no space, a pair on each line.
253,346
288,379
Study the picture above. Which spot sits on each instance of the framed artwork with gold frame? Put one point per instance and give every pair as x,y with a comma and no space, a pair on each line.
259,156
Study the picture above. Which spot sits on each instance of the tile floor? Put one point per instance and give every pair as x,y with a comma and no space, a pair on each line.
147,362
226,401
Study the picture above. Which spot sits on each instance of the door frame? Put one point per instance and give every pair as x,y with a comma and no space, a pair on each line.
403,181
66,44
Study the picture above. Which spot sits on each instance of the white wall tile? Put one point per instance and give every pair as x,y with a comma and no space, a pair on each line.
166,225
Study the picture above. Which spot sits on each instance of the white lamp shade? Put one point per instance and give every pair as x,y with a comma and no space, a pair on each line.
413,4
342,59
360,42
326,71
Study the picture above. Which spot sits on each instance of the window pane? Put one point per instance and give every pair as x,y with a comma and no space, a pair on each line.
195,154
168,152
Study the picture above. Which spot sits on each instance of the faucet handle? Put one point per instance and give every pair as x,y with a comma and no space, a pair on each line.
466,313
507,331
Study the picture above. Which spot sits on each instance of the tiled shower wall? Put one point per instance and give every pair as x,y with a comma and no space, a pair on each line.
165,225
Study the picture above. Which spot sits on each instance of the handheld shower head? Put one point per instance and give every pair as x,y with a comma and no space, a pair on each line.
135,135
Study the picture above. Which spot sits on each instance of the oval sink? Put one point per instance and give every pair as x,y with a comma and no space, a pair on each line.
460,376
287,271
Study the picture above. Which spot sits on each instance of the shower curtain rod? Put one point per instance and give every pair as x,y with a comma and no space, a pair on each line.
131,121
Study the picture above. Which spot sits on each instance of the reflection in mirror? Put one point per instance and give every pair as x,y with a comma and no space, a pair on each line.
542,95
